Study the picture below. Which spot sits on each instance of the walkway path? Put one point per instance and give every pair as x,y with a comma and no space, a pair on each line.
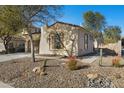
7,57
49,57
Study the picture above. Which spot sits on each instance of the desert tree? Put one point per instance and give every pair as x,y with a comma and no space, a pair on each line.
5,36
95,23
112,34
38,14
10,23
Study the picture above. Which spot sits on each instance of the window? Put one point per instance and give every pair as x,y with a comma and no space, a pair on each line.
55,41
85,41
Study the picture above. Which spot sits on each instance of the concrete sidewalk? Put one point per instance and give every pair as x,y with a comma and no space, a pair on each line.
3,85
89,59
7,57
48,57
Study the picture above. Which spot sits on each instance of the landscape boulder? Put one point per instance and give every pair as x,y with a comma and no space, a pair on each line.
39,71
98,81
92,76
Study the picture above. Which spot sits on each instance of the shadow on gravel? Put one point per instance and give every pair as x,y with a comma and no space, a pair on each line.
111,66
43,59
83,67
52,66
106,66
109,52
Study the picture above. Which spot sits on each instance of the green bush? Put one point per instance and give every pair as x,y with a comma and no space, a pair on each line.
72,64
116,61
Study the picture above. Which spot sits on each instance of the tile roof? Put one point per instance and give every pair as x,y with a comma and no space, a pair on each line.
58,22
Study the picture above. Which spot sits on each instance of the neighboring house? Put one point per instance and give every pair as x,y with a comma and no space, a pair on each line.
49,43
36,37
21,42
17,44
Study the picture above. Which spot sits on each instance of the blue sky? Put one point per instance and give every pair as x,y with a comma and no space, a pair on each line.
114,14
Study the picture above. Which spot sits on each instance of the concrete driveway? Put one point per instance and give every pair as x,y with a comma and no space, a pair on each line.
7,57
3,85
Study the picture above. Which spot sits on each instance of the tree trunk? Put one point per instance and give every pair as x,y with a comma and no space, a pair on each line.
62,43
6,47
32,48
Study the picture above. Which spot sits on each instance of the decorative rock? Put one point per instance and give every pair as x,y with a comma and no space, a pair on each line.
58,77
92,76
118,76
95,81
38,70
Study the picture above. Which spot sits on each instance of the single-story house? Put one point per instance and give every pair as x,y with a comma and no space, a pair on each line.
17,44
72,38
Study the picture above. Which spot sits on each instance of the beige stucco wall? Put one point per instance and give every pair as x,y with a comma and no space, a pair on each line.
44,44
78,45
95,43
81,49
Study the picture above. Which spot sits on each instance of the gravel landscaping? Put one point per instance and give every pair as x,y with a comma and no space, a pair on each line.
18,73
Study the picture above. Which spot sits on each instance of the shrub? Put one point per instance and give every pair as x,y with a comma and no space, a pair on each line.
116,61
72,63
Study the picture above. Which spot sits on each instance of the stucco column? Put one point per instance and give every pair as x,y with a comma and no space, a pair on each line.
119,47
26,46
44,44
